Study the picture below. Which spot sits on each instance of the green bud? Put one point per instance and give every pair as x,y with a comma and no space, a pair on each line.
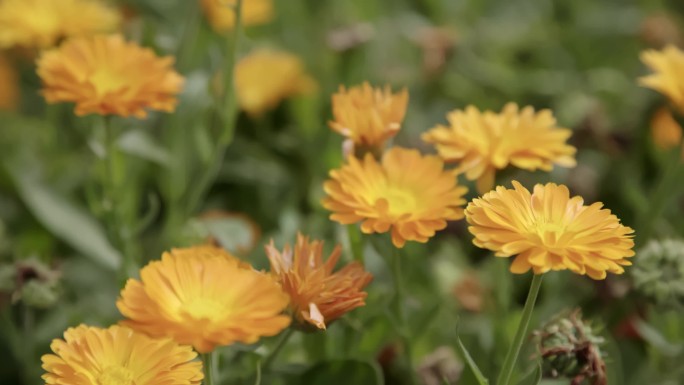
40,294
658,272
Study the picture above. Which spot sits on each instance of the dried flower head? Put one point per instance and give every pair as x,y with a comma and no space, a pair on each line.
318,295
43,23
406,193
368,116
221,13
204,297
106,75
548,230
119,356
483,142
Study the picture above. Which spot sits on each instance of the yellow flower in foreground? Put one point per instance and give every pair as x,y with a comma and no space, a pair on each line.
42,23
119,356
668,65
483,142
9,85
318,295
368,116
265,77
548,230
221,15
665,131
106,75
407,192
204,297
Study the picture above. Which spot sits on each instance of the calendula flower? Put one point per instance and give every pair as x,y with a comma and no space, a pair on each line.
221,13
43,23
119,356
483,142
106,75
408,193
668,65
318,295
547,230
266,77
9,85
204,297
368,116
665,131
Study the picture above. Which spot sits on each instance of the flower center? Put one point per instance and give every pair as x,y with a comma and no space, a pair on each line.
549,232
115,375
203,308
107,80
400,200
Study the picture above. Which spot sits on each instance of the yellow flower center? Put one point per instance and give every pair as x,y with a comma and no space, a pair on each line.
548,232
115,375
400,200
107,80
203,308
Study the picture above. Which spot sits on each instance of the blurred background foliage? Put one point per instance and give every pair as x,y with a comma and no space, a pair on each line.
579,58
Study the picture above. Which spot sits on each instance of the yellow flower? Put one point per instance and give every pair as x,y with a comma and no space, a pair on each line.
407,192
204,297
665,131
668,65
265,77
483,142
548,230
43,23
106,75
119,356
9,85
221,15
318,295
368,116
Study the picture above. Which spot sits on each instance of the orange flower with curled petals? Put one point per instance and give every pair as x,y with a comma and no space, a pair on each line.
204,297
106,75
368,116
318,295
221,13
119,356
668,66
406,193
484,142
548,230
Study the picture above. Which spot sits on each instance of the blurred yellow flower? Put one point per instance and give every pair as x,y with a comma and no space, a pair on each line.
119,356
668,65
221,15
318,295
368,116
548,230
665,131
265,77
108,76
204,297
43,23
9,85
407,192
483,142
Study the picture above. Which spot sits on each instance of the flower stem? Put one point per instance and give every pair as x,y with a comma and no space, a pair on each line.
356,243
514,350
276,350
400,314
210,368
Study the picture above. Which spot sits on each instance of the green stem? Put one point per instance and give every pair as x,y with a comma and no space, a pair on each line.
514,350
398,303
662,194
210,369
276,350
356,243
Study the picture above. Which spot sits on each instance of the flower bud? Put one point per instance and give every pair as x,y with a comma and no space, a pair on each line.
658,271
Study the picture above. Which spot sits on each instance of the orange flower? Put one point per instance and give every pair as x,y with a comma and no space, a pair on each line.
483,142
368,116
42,23
119,356
668,65
665,131
106,75
318,295
205,297
221,15
406,192
548,230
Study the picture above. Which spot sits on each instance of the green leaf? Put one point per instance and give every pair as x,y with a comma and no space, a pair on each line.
235,232
139,143
66,220
534,377
481,379
343,372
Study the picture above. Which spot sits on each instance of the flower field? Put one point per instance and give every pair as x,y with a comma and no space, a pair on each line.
369,192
